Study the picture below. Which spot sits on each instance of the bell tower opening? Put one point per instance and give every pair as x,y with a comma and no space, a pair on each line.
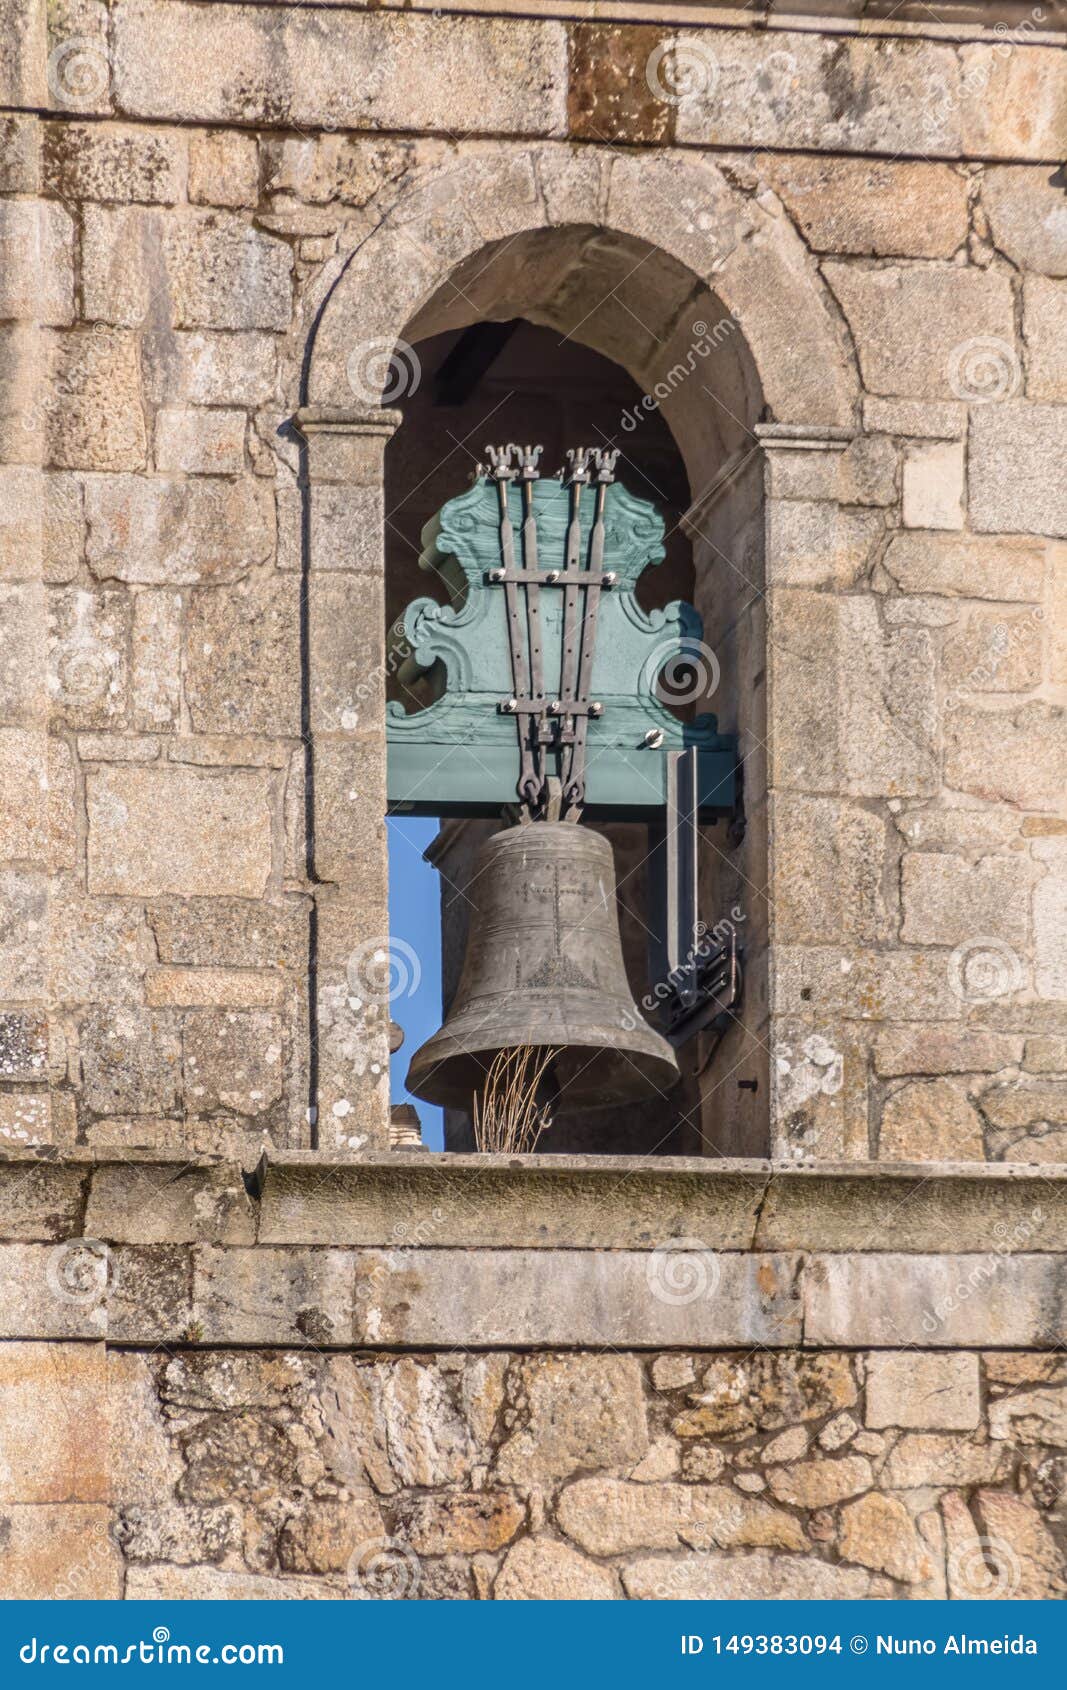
510,381
507,377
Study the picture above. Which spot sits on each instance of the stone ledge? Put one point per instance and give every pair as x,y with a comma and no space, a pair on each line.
434,1201
955,21
499,68
618,1202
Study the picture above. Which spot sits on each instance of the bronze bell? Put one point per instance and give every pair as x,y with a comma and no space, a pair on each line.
544,967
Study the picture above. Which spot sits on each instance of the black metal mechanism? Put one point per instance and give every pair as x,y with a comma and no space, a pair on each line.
698,969
560,724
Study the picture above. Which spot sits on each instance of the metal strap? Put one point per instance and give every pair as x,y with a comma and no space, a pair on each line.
574,786
533,791
561,722
503,473
578,475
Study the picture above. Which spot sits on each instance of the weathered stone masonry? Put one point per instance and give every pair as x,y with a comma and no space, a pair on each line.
300,1390
205,212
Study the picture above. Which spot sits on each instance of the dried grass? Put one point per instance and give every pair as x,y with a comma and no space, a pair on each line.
508,1119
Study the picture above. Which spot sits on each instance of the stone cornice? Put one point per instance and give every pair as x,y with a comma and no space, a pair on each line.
368,420
803,437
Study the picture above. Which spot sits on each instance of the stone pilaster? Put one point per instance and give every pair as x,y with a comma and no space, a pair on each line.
821,851
344,727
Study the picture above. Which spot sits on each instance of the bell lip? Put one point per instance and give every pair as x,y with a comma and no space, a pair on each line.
650,1059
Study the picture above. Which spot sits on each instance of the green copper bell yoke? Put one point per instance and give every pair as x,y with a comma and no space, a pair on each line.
525,560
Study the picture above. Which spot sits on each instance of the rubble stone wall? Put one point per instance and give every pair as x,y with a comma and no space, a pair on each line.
417,1377
900,1475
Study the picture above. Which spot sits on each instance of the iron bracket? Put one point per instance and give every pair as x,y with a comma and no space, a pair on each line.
698,971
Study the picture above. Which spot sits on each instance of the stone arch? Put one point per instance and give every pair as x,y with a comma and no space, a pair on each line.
742,245
438,259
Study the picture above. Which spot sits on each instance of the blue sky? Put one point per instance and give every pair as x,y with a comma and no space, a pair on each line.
415,920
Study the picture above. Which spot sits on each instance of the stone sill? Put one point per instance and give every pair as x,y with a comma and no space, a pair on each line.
434,1201
625,1203
956,21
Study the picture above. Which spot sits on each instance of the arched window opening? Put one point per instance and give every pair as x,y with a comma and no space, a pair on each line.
472,383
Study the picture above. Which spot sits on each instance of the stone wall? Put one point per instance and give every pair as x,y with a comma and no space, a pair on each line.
412,1376
677,1475
222,230
189,698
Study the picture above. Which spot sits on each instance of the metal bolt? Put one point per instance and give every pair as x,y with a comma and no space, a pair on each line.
555,707
496,575
596,710
654,738
552,575
610,578
509,706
